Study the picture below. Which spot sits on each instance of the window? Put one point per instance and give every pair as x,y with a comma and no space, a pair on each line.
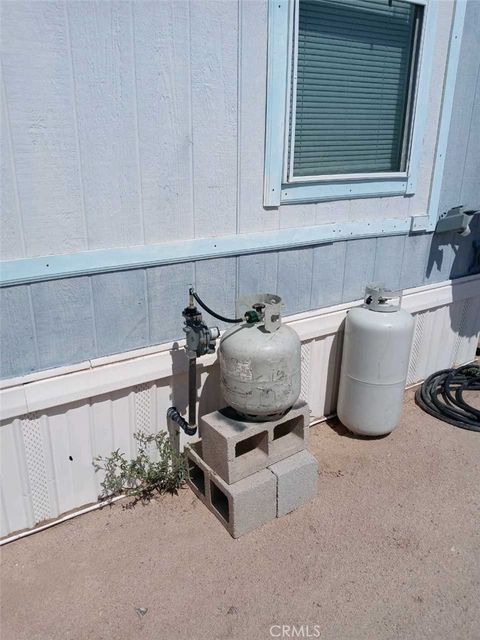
347,88
352,86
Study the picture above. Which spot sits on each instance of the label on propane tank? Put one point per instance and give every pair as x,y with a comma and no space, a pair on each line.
241,369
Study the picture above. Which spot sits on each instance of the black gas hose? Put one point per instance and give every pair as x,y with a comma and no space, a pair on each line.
211,312
441,395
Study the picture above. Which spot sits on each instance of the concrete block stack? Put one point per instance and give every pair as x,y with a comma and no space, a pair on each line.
248,473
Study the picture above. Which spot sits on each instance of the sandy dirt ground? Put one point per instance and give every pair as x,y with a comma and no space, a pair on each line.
389,549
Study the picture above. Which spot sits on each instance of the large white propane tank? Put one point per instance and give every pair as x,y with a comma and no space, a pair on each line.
376,351
260,362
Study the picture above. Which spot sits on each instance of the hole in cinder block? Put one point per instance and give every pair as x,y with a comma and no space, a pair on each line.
196,475
219,501
254,443
292,428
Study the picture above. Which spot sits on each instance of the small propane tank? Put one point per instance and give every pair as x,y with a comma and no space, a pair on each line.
260,362
376,351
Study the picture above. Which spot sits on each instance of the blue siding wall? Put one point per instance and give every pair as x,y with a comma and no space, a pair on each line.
66,321
158,183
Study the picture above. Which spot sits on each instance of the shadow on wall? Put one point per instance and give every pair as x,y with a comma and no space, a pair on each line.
452,256
333,372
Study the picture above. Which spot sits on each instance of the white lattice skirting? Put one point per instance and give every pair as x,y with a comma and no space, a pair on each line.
54,423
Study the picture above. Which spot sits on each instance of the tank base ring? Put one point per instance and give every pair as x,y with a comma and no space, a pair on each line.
250,417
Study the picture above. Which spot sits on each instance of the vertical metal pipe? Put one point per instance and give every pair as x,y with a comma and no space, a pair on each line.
192,391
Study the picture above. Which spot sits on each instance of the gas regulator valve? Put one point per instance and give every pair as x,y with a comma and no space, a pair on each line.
200,339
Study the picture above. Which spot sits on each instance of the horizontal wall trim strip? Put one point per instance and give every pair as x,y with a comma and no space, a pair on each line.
29,270
112,373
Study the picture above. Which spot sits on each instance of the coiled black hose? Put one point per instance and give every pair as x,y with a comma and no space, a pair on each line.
441,395
213,313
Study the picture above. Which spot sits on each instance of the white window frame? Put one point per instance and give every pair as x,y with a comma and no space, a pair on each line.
289,144
278,188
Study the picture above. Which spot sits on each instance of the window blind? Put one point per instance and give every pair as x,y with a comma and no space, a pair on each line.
354,65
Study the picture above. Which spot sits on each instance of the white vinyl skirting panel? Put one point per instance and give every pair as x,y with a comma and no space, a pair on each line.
48,447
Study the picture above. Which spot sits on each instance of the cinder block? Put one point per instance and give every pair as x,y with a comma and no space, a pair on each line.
241,507
235,448
296,481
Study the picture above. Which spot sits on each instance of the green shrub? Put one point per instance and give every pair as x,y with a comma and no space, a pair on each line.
157,468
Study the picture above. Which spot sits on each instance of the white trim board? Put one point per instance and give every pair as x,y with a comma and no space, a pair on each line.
44,390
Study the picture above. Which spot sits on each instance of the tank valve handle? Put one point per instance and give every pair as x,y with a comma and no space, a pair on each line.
377,298
262,307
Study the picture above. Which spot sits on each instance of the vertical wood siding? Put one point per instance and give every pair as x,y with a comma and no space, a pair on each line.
144,121
161,41
214,72
39,92
102,59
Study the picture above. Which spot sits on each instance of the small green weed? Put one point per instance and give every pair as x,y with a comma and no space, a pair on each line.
143,476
